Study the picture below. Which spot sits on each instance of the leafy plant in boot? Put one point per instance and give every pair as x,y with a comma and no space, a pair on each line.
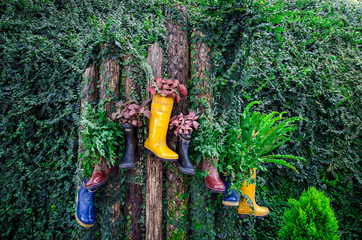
130,112
101,138
168,87
311,217
210,138
249,142
184,123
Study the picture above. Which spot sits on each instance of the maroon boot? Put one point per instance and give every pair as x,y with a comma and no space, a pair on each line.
212,179
101,173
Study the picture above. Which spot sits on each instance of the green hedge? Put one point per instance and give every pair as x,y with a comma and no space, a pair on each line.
301,56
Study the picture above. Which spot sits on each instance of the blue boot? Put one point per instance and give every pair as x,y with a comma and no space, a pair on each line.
230,198
85,211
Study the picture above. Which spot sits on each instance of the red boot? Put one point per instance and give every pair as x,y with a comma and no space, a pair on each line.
212,179
101,173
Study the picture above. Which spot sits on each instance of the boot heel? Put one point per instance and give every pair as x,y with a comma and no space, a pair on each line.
147,151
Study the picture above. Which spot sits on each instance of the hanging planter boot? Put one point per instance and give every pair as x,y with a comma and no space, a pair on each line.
246,205
128,159
85,212
182,149
212,179
160,116
230,198
101,173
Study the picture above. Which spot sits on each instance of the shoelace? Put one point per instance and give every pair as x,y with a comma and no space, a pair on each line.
90,195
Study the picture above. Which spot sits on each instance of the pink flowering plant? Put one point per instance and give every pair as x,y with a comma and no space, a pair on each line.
168,87
184,123
130,112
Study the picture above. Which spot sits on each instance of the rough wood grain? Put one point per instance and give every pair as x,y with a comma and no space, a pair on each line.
199,77
88,94
131,87
109,79
110,72
153,165
133,201
178,68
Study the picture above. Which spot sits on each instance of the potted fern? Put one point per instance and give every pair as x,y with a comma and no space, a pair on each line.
102,139
249,144
130,115
184,126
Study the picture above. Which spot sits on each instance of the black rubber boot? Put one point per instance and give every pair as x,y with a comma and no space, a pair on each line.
128,159
182,149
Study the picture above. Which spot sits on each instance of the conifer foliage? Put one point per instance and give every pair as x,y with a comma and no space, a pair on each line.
310,217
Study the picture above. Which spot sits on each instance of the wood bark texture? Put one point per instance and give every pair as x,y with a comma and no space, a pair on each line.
110,72
133,201
178,68
88,94
199,76
153,165
131,87
199,73
109,78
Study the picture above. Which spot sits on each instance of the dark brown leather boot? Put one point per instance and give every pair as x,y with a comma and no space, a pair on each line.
101,173
212,179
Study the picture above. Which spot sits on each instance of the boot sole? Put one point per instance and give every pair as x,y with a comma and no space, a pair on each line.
163,159
101,183
127,165
186,171
230,204
79,221
213,190
83,224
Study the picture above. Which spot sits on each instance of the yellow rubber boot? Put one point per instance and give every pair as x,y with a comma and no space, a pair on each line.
246,206
156,142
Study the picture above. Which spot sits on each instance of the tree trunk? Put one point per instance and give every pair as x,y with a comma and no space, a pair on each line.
109,78
88,94
178,68
201,100
154,165
200,79
110,71
132,208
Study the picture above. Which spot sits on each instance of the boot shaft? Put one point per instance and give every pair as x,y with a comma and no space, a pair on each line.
248,205
249,189
183,144
182,149
161,109
130,135
128,159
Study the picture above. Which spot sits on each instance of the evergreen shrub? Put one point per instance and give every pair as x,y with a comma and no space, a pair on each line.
311,217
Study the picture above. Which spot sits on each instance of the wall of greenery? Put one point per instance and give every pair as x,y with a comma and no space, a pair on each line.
302,57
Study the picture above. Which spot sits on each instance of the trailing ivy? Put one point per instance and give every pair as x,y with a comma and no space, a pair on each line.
44,48
300,56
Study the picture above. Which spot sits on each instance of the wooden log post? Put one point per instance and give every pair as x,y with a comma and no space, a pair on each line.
88,94
133,201
178,68
154,165
200,80
110,92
